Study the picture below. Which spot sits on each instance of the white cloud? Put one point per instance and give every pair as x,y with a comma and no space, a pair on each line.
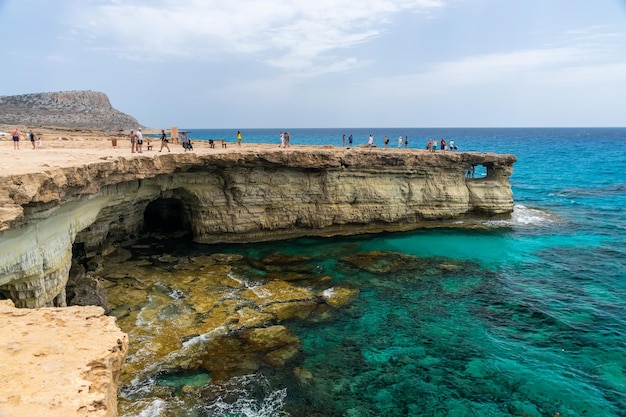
286,34
589,57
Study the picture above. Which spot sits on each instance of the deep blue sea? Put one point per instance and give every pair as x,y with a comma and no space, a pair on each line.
533,325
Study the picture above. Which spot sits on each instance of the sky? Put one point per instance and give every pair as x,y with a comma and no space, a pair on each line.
327,63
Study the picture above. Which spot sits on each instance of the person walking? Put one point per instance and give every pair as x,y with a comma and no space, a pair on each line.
164,141
16,139
239,138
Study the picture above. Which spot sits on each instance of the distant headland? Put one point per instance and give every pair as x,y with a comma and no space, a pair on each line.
72,109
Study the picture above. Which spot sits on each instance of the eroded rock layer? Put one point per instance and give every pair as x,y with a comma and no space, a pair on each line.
252,195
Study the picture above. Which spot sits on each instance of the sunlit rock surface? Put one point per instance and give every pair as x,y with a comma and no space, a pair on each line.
59,361
48,217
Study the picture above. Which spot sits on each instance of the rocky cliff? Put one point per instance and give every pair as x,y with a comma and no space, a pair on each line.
89,109
59,361
51,217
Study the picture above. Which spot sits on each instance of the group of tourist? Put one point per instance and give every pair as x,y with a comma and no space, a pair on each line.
136,141
284,137
35,140
444,146
370,142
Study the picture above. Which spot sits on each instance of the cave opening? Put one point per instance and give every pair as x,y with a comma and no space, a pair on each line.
167,215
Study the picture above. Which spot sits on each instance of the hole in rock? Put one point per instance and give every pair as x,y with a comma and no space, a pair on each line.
166,215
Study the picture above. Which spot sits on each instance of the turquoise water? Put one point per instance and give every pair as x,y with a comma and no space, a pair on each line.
528,318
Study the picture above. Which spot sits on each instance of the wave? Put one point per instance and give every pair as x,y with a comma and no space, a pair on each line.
156,408
525,216
240,397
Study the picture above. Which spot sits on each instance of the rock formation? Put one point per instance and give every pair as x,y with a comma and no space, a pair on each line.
88,109
59,361
252,195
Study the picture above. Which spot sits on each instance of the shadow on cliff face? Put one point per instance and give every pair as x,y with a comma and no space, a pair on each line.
166,215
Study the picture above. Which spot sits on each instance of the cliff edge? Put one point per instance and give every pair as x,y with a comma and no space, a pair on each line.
248,194
75,109
61,362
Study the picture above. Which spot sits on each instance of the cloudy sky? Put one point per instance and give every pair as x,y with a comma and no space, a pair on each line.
327,63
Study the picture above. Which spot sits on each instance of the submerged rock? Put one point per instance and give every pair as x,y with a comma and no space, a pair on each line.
208,315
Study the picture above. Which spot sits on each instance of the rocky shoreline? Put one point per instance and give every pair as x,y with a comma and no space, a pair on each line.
67,206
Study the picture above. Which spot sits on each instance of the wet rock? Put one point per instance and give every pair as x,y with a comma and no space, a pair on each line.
380,262
250,317
284,259
276,292
268,338
90,292
339,296
293,309
279,357
288,276
304,376
226,258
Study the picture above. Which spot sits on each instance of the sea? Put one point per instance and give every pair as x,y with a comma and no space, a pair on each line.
530,321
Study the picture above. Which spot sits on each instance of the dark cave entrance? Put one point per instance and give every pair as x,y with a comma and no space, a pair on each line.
167,215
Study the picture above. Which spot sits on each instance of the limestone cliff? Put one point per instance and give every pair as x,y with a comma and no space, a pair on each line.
66,108
252,195
59,362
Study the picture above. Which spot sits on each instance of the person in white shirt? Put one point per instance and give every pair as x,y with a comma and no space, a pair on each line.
139,140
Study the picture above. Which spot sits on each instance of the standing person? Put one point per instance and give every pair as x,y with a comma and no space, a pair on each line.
443,145
287,139
370,142
164,141
139,141
39,145
406,142
184,140
133,139
386,141
16,139
399,142
429,147
32,138
239,138
434,147
453,146
282,139
350,141
343,141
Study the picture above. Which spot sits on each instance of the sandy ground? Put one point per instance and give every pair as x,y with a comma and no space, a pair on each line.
76,148
77,151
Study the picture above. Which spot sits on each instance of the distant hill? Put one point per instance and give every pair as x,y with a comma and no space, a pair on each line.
76,109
